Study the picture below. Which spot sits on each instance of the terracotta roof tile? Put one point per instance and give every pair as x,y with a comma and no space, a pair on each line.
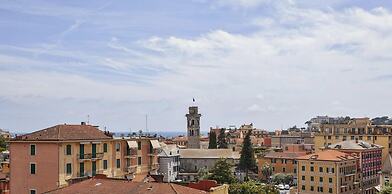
328,155
65,132
104,186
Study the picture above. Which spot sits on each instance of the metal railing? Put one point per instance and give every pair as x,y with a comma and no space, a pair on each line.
90,156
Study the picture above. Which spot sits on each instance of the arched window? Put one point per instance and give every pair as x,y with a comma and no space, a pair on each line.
193,122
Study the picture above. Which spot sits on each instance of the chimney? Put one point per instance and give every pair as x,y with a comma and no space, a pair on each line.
82,123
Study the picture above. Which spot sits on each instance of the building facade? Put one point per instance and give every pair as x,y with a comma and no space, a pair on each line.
328,171
281,162
169,162
193,126
192,160
51,158
369,162
354,129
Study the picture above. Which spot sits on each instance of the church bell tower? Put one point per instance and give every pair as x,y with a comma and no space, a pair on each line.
193,126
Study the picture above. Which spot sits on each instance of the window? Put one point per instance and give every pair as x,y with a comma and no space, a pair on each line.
117,147
32,168
311,168
303,187
330,190
321,179
139,161
303,168
321,169
105,147
32,150
311,188
69,168
284,169
118,163
303,178
33,191
330,180
312,178
139,145
68,150
105,164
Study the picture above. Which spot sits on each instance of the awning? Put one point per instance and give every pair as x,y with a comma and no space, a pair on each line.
155,144
132,144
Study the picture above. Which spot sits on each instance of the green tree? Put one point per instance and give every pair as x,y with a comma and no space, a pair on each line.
222,172
247,160
266,170
251,187
202,174
222,144
386,190
212,140
3,144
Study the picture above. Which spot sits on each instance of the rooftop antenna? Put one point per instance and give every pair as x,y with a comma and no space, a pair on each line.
147,123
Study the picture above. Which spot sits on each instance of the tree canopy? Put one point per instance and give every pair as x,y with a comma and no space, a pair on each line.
222,172
251,187
247,160
212,140
222,143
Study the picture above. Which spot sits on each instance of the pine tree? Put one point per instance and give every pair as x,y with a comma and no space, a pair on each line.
222,144
247,160
212,140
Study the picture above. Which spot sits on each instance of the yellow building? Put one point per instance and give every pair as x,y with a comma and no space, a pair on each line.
354,129
328,171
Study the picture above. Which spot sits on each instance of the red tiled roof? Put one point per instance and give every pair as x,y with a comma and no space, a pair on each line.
104,186
65,132
327,155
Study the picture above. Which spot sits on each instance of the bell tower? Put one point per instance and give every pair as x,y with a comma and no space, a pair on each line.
193,126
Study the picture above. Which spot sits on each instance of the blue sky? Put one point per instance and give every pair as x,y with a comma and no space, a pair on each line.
273,63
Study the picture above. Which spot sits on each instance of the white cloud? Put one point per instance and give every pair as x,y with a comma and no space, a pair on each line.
291,68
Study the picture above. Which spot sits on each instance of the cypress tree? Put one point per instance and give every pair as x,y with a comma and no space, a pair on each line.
222,144
212,140
247,160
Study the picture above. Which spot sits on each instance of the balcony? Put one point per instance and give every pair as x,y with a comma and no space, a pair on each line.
90,156
130,156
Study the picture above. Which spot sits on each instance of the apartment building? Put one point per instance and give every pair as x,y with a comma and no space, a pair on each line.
281,162
369,162
51,158
328,171
354,129
169,162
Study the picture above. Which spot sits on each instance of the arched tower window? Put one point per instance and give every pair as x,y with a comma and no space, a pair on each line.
193,122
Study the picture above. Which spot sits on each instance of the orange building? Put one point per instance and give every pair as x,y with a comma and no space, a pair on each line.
281,162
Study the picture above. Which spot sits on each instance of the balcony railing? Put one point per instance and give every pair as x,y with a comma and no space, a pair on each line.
90,156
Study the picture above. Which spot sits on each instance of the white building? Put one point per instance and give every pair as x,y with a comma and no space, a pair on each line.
169,162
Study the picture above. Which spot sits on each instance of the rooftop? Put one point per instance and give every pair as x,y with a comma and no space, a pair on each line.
288,155
209,153
65,132
104,186
328,155
354,145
